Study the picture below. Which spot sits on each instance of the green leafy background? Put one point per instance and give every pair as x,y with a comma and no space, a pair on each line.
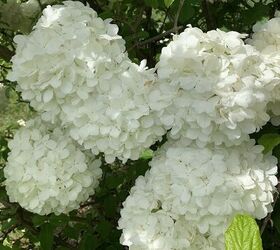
146,25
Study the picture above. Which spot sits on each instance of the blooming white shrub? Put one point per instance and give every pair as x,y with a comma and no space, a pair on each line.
205,187
211,90
211,87
73,68
46,171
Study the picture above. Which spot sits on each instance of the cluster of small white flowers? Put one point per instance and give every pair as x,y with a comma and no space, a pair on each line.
266,38
73,68
211,87
203,188
47,172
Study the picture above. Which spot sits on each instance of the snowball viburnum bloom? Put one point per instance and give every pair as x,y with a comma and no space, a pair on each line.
47,172
211,87
73,68
146,225
266,38
204,186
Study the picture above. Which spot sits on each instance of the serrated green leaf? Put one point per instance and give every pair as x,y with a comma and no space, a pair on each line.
46,236
168,2
243,233
269,141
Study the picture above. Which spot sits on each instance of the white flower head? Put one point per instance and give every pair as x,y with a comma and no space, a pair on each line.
266,38
73,69
146,225
46,171
204,186
211,87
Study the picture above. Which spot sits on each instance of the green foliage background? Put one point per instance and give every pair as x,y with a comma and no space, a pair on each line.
145,25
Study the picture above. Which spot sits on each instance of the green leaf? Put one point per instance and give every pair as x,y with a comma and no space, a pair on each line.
147,154
59,220
152,3
269,141
168,2
46,236
257,13
113,181
89,242
38,220
276,216
104,228
110,205
187,12
243,233
2,247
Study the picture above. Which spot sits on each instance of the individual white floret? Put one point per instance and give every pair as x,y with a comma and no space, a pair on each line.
73,68
206,186
211,87
46,172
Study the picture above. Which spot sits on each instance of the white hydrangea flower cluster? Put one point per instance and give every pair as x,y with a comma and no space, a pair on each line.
74,69
211,87
266,38
199,188
46,172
